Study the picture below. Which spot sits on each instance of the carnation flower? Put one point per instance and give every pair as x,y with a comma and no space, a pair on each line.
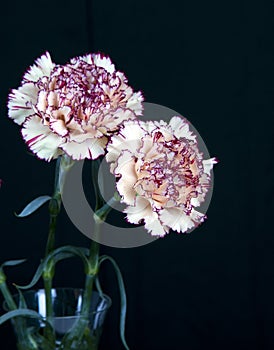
72,108
161,173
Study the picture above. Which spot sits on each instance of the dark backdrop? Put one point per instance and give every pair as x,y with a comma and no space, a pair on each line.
213,61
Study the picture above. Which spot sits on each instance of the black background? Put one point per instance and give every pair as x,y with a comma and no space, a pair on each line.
213,61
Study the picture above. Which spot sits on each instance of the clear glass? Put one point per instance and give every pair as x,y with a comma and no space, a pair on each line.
33,334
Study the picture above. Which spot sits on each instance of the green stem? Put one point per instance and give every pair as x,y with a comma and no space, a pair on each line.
8,297
73,339
63,164
101,214
94,246
19,323
54,209
91,273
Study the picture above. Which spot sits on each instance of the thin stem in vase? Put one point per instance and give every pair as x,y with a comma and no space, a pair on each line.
63,164
92,271
23,334
74,337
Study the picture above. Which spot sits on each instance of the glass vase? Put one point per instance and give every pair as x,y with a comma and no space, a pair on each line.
35,334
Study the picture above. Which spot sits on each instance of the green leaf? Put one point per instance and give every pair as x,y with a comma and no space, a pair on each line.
22,302
33,206
68,252
98,286
8,263
122,296
58,254
35,278
13,262
19,312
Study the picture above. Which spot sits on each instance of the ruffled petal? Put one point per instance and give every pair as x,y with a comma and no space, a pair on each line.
125,186
208,164
179,221
129,138
21,102
80,137
42,67
197,217
40,139
42,102
59,127
143,211
135,103
113,120
154,226
196,201
138,212
180,127
90,148
104,62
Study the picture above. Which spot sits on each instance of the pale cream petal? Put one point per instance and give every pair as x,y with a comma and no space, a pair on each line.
140,211
42,67
204,179
135,103
90,148
132,130
155,227
147,145
150,149
114,119
53,99
79,132
126,191
40,139
196,201
59,127
42,103
75,126
208,164
180,127
176,219
21,102
149,126
104,62
81,137
62,113
124,163
29,91
129,138
125,185
197,217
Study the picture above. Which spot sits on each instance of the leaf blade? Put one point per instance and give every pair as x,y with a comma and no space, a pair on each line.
58,254
33,206
122,296
19,312
13,262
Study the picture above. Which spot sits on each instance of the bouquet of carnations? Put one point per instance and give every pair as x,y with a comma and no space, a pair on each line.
85,110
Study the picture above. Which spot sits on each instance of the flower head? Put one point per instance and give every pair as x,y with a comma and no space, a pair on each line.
72,108
161,173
